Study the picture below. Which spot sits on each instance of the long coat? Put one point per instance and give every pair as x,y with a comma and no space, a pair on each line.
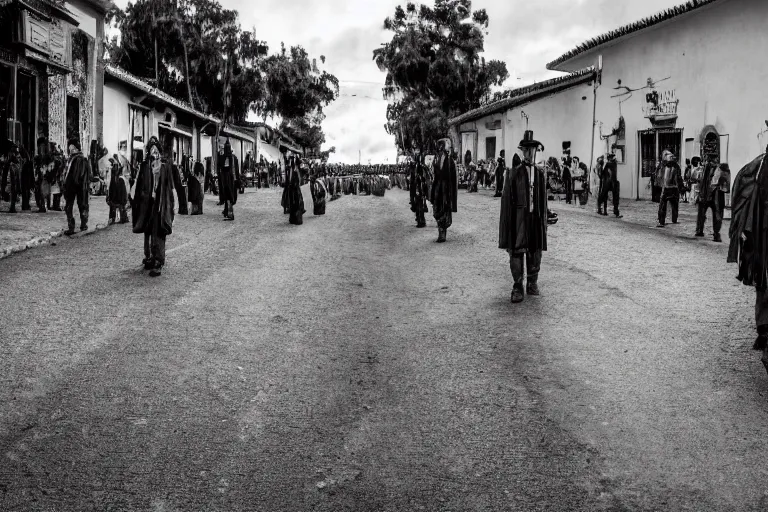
520,229
445,187
144,207
77,176
228,176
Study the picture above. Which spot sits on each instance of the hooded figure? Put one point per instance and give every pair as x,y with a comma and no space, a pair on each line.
294,196
523,218
318,191
227,174
444,193
153,205
77,181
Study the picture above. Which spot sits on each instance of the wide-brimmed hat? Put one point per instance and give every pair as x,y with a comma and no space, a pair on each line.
529,142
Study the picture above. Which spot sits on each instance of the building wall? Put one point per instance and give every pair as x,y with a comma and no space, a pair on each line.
117,125
560,117
706,55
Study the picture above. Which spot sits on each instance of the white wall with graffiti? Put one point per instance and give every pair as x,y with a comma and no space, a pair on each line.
705,85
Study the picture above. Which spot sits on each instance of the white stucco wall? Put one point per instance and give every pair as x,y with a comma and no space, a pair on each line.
117,124
560,117
710,56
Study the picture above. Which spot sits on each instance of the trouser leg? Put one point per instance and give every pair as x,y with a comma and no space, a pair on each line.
701,217
761,311
57,202
717,218
615,194
82,206
69,204
674,200
147,246
516,267
533,265
663,209
123,214
112,213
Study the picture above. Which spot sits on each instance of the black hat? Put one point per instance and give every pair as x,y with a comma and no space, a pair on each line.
529,142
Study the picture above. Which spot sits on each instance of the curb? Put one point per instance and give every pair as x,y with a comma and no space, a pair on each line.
46,239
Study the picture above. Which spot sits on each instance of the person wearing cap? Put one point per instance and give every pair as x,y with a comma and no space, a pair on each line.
227,175
76,187
10,185
671,179
523,218
153,204
444,193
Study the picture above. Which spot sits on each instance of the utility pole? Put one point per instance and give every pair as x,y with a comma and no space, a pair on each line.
595,84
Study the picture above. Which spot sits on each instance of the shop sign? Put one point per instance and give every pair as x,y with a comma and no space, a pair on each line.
661,104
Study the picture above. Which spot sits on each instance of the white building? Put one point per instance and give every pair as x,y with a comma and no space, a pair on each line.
697,63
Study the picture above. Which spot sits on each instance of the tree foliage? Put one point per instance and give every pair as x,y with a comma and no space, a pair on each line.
205,57
435,68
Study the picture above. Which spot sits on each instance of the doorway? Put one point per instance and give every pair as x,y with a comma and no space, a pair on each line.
652,144
490,148
6,101
25,111
73,118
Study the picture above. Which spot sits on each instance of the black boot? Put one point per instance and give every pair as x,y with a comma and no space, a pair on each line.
441,235
532,288
517,293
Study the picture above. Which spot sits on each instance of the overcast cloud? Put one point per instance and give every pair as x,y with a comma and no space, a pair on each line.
525,34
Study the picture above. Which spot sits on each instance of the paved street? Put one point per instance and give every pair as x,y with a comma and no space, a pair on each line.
352,363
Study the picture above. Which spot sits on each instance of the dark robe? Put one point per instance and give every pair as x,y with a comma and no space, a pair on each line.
295,198
317,188
227,175
520,229
145,209
195,189
117,195
445,189
181,192
77,179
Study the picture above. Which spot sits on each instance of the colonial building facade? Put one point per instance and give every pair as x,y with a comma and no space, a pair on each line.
684,79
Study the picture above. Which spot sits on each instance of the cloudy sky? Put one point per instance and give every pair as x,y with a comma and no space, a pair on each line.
526,34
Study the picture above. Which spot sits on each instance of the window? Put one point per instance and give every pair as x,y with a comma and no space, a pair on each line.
490,148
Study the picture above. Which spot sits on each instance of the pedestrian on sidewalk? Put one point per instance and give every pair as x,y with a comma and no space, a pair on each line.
610,186
195,184
523,218
27,179
178,184
671,179
712,197
598,179
153,204
77,181
501,167
10,184
43,167
117,192
444,193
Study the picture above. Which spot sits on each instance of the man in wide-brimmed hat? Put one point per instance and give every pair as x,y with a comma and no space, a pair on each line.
445,188
523,218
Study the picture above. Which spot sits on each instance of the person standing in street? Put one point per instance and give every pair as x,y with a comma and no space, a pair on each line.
77,181
228,191
611,186
153,205
444,193
671,179
709,194
43,168
598,171
419,191
117,192
319,193
295,199
195,183
11,174
523,218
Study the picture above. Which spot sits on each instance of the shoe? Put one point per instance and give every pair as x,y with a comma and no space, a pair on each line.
660,225
441,236
84,227
421,225
42,210
761,342
619,216
155,272
674,222
605,214
56,209
110,222
12,210
148,263
717,238
517,295
532,288
699,234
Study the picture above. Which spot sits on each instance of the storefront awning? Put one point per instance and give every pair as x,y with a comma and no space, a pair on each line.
270,153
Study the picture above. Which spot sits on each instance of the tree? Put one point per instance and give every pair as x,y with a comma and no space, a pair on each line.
434,69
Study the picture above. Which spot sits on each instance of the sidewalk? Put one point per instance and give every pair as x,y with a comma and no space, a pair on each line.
27,229
645,213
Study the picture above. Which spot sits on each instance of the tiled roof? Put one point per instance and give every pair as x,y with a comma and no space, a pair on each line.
228,130
130,79
631,28
524,94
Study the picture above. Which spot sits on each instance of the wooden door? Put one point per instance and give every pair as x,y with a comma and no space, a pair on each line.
490,148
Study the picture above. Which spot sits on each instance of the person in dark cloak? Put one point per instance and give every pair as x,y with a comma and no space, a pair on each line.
419,190
711,196
670,177
295,198
181,192
195,186
611,186
117,194
153,205
749,240
523,218
77,182
27,179
444,193
43,166
568,180
599,172
319,193
227,175
501,167
284,183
